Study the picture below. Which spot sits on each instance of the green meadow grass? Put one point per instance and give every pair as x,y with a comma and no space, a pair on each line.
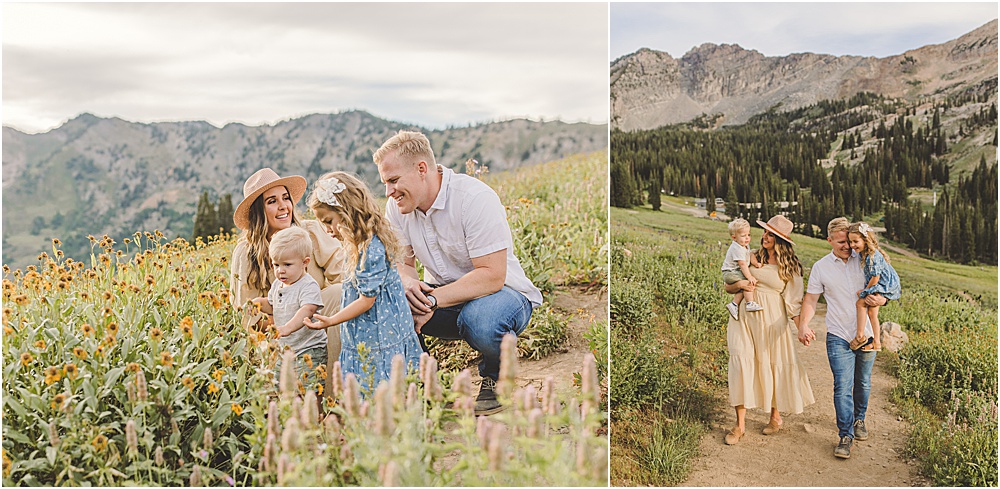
947,372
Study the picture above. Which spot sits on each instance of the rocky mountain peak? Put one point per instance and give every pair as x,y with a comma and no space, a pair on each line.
650,88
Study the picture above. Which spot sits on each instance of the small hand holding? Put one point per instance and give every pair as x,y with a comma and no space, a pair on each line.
321,322
419,320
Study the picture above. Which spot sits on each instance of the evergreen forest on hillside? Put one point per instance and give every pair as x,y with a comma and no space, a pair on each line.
866,157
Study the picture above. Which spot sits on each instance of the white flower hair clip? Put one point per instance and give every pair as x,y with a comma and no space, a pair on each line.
865,228
327,190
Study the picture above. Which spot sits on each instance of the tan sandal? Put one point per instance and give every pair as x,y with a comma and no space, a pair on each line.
771,428
734,436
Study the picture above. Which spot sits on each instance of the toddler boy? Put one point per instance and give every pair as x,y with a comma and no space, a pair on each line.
295,295
735,269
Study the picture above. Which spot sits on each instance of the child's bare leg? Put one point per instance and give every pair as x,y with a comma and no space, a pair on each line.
745,285
876,326
862,318
738,297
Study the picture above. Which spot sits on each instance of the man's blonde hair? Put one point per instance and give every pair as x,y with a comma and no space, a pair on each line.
737,224
836,225
411,145
293,240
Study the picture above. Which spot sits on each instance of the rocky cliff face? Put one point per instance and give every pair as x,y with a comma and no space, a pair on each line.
650,88
96,175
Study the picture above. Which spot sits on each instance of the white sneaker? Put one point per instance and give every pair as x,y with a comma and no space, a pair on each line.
734,310
753,307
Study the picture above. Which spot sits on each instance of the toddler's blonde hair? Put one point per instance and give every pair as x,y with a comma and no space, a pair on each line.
293,240
737,224
360,219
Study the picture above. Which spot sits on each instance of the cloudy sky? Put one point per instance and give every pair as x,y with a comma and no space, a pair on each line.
778,29
432,65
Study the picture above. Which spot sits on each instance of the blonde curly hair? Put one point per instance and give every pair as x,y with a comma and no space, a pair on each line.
360,220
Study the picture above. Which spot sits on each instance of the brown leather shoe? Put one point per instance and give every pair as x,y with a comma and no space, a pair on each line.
771,428
734,435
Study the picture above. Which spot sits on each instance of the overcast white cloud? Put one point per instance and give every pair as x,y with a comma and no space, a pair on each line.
428,64
778,29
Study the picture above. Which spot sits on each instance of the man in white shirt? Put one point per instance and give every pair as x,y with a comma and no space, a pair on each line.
838,277
474,287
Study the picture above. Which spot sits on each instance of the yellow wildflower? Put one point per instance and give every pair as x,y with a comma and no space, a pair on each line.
52,375
319,390
188,382
40,344
7,464
212,388
80,353
218,375
87,329
113,327
27,358
167,359
308,359
100,443
58,401
71,370
132,368
227,359
155,334
237,409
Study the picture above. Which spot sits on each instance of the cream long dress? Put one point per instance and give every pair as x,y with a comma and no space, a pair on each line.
764,370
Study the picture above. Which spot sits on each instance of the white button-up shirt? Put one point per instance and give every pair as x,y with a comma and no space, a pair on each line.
839,282
466,221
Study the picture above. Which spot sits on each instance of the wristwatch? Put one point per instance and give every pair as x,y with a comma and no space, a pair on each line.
434,301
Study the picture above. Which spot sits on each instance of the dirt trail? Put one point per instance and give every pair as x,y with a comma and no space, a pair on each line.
801,454
563,363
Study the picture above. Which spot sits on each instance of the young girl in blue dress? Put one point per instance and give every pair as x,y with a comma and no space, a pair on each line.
882,280
375,310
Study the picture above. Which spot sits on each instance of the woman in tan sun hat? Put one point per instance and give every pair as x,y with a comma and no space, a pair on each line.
764,370
268,206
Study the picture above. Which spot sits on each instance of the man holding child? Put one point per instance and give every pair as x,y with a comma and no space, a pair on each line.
474,287
838,276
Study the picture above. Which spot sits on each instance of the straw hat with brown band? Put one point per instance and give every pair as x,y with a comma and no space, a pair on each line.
779,226
260,182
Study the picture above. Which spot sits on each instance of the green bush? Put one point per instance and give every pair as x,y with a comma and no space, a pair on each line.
640,376
631,308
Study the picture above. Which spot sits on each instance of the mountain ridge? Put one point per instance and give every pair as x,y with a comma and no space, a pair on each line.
651,88
96,175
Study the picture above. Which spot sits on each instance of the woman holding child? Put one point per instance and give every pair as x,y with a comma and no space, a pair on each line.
268,206
764,371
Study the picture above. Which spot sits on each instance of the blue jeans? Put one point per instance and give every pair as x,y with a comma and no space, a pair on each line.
852,382
482,323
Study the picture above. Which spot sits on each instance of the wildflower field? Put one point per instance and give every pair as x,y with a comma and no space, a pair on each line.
130,367
668,343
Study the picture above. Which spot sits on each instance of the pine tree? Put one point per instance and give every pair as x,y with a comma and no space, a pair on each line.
224,215
204,220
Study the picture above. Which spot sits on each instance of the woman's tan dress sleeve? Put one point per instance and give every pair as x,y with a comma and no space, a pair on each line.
793,296
327,265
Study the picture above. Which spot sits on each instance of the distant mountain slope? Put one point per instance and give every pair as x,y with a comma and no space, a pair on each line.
95,175
650,88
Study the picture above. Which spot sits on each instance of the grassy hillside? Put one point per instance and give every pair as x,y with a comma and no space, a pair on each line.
131,368
669,369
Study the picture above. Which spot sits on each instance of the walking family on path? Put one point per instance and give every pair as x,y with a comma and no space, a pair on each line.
764,370
345,286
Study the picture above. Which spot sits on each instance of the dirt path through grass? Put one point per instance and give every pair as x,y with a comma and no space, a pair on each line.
801,454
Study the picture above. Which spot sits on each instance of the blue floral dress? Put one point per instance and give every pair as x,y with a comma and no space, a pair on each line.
386,329
888,280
